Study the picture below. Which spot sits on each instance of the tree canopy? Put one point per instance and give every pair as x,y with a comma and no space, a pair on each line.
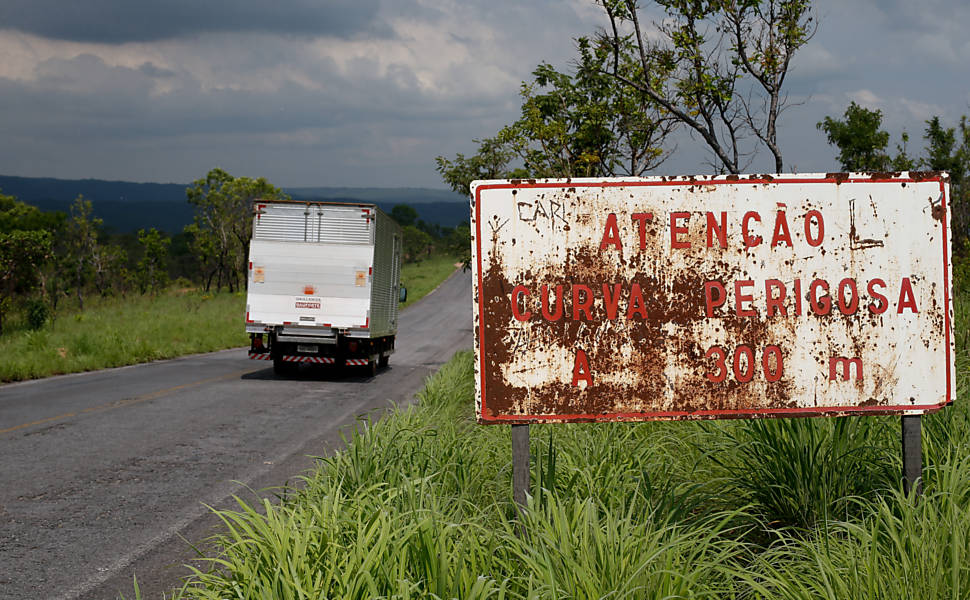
25,244
717,68
861,142
222,227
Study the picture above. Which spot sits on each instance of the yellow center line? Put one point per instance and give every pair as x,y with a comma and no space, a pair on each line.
129,401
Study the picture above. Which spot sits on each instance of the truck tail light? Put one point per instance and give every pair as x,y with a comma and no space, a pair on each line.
352,346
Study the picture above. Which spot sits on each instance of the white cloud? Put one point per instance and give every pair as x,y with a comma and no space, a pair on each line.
865,98
920,111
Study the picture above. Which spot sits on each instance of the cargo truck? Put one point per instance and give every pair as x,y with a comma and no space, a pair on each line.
324,284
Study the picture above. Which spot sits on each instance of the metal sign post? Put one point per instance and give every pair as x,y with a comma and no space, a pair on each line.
912,455
520,465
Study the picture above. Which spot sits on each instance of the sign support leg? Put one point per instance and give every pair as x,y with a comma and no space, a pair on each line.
912,455
520,465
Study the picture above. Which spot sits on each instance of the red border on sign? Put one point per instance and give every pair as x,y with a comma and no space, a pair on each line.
722,413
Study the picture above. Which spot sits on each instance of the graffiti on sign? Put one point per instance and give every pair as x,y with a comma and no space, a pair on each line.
709,297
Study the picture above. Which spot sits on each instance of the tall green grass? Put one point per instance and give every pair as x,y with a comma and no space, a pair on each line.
419,505
800,472
112,332
902,547
421,278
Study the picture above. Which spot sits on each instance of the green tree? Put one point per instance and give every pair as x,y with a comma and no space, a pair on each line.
21,255
942,151
151,273
948,149
718,67
16,215
586,123
491,161
19,216
223,222
417,243
459,244
82,245
903,161
404,214
109,266
861,142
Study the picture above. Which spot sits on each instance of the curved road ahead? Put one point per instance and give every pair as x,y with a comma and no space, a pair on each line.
103,474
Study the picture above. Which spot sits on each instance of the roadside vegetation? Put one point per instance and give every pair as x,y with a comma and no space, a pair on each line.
75,296
116,331
419,505
421,278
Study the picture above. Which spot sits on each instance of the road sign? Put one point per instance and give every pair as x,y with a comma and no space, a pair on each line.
712,297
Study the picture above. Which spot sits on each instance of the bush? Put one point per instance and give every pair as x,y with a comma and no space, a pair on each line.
38,313
800,472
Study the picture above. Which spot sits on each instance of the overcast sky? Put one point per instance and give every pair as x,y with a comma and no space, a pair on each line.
368,92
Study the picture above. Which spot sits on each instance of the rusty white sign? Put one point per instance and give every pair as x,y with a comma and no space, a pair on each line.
712,297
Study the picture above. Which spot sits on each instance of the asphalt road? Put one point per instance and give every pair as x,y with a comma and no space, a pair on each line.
105,475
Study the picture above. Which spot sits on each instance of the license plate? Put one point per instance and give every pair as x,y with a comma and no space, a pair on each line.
307,348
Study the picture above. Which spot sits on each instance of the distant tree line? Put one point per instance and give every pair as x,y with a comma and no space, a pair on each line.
51,257
47,258
422,239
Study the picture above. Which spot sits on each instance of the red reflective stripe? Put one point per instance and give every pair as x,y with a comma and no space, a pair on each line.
326,360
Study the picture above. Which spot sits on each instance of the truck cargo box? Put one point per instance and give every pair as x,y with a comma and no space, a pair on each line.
322,273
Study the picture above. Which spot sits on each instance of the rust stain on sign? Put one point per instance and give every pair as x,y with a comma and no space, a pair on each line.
710,297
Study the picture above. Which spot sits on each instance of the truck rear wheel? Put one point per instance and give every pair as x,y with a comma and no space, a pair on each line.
282,367
383,360
372,368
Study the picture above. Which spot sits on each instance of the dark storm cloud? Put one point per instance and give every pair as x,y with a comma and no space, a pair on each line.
119,21
83,117
373,91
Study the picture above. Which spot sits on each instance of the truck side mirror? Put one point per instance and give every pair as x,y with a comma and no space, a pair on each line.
404,294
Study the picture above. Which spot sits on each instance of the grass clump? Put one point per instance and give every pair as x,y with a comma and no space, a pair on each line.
800,472
902,547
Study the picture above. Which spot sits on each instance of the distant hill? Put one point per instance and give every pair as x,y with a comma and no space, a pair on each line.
378,195
128,206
